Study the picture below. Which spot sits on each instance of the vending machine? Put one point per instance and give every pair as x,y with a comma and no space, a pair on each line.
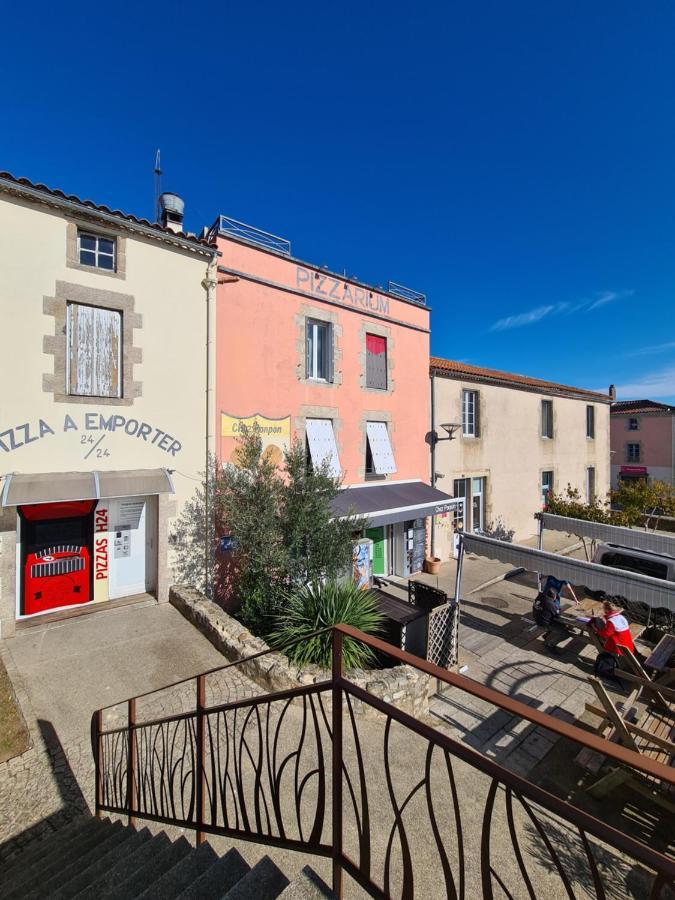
56,553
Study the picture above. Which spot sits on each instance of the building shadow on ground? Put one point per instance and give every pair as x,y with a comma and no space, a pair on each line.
73,802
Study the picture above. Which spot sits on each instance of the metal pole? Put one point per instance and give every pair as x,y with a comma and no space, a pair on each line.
458,575
540,546
337,764
201,771
131,759
98,722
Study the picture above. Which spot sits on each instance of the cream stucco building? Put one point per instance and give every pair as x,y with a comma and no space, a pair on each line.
505,440
103,403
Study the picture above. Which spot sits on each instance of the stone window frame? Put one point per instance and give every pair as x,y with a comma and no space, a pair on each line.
479,423
382,331
320,412
321,315
629,419
56,344
73,258
375,415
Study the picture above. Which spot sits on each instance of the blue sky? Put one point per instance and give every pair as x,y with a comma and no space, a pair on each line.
515,161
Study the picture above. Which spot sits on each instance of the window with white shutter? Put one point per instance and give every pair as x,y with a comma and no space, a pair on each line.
322,446
94,351
380,448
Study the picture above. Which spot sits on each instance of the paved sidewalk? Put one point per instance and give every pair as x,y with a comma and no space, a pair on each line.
504,652
64,672
478,570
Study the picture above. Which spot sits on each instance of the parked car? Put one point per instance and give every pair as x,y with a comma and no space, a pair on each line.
656,565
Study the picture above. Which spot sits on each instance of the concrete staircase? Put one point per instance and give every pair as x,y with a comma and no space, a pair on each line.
96,859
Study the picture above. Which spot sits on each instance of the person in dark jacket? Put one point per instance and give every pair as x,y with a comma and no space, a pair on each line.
546,612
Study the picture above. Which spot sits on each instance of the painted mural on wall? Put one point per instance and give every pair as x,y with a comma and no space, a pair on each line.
275,434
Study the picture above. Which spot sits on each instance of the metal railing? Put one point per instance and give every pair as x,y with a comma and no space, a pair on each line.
228,227
406,293
405,810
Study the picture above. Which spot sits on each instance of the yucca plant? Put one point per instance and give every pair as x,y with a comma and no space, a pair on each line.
320,605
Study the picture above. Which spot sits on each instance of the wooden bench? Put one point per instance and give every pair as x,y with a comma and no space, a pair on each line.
653,736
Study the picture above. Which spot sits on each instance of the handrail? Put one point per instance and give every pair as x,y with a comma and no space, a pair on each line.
131,799
518,708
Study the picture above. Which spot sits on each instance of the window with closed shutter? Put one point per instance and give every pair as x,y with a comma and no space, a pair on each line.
376,362
322,446
94,351
380,448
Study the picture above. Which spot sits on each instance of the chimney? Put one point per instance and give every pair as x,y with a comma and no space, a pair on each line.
612,393
171,208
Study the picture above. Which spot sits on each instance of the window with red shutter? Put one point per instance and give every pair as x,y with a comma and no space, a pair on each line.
376,362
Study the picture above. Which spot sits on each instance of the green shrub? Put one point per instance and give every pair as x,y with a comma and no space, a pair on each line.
321,605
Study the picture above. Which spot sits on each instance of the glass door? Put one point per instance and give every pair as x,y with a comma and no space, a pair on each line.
477,504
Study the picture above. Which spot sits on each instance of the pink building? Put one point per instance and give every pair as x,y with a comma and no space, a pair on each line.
303,353
643,441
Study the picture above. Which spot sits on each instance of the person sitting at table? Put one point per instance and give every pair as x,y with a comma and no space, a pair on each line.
557,585
613,629
546,613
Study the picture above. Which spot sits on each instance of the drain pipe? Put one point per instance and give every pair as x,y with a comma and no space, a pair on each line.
433,457
209,285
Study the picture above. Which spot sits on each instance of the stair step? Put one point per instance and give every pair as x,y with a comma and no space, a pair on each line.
39,850
108,884
307,886
148,874
56,860
218,878
182,874
264,882
100,865
50,884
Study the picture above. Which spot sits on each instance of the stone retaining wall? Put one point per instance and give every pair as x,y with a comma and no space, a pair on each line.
403,686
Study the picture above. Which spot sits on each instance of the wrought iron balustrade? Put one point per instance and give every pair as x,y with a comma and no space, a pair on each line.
397,805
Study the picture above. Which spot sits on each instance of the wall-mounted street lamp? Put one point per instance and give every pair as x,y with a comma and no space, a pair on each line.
450,427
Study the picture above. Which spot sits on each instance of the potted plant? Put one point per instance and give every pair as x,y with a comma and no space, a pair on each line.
432,565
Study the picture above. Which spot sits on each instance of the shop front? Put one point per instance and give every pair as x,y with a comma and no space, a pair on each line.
84,537
396,514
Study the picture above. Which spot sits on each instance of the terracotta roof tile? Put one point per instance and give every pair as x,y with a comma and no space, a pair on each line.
622,407
89,204
452,367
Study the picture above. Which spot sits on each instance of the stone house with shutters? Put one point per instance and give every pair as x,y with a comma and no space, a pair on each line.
104,399
505,440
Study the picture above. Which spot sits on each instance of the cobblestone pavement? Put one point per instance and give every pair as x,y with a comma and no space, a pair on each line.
58,691
504,652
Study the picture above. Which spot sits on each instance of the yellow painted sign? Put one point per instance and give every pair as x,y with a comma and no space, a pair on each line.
275,434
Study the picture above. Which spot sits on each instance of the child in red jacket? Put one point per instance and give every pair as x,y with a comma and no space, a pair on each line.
615,632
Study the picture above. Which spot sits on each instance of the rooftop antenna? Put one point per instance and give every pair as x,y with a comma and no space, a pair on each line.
158,184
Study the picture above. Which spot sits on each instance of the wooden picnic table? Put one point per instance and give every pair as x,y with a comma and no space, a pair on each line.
590,608
662,656
661,659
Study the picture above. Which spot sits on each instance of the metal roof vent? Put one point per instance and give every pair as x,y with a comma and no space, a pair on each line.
171,211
